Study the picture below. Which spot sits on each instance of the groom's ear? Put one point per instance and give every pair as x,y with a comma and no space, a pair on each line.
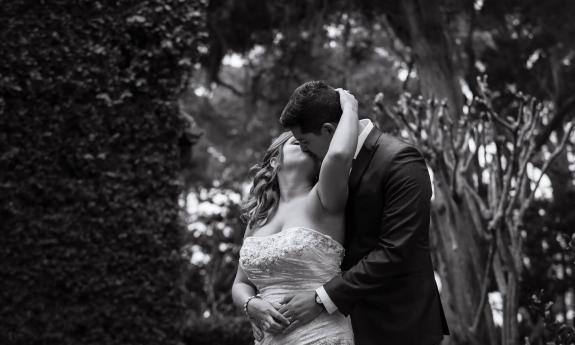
329,128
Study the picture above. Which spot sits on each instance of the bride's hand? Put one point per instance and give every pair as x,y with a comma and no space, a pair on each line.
347,100
266,316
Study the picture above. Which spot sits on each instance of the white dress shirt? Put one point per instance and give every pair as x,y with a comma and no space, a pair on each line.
365,126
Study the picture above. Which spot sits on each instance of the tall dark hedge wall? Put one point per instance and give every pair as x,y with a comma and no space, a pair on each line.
89,169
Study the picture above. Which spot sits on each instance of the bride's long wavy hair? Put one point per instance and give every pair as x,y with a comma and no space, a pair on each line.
264,194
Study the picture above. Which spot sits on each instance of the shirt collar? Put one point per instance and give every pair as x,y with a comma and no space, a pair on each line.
365,126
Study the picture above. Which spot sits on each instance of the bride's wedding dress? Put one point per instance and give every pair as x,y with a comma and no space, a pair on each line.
294,260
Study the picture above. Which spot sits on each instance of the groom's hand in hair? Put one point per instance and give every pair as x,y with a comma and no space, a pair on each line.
299,309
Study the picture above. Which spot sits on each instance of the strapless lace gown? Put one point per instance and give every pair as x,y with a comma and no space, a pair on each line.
294,260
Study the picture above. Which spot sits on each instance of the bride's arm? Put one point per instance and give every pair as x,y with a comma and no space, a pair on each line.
242,288
335,168
262,312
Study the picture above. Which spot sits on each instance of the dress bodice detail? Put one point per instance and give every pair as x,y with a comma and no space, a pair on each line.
294,260
290,247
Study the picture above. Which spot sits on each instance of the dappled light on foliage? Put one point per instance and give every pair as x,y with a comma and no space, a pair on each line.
211,248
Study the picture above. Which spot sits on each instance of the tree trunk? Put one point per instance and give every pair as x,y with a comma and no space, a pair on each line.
510,306
460,252
431,53
460,259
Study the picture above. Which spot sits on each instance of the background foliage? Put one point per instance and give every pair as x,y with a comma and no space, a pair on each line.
212,247
89,162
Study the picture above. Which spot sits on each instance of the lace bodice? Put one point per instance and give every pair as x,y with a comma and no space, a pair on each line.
293,260
291,245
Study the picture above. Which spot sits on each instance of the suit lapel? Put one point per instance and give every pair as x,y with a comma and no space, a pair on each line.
363,158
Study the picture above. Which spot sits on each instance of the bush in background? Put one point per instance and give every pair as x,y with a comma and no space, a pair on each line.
89,167
211,248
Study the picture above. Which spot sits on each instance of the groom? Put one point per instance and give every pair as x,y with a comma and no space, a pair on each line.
387,285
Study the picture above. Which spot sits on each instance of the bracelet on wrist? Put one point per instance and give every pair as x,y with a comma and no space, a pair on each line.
248,301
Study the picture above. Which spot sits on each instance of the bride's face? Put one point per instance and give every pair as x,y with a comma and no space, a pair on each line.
294,157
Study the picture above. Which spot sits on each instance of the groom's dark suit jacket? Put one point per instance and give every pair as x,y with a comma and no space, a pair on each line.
387,284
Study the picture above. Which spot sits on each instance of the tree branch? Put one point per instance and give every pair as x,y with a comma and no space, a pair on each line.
472,154
485,211
554,155
484,288
485,99
230,87
399,119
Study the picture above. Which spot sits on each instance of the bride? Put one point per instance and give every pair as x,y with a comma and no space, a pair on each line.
294,236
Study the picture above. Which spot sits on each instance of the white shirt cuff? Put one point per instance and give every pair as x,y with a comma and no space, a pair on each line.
327,302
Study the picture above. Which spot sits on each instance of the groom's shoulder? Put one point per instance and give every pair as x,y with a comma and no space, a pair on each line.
393,152
390,145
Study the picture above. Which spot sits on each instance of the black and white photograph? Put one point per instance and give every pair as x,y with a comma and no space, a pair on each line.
308,172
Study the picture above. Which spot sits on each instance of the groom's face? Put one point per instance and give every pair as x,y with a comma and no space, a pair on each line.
315,144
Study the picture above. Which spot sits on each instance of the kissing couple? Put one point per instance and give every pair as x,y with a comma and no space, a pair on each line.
336,249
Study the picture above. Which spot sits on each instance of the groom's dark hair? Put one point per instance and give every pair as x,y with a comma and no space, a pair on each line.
310,106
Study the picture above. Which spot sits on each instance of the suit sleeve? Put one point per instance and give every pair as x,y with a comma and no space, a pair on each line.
407,194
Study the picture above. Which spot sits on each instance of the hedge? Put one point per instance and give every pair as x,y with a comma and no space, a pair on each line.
89,164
